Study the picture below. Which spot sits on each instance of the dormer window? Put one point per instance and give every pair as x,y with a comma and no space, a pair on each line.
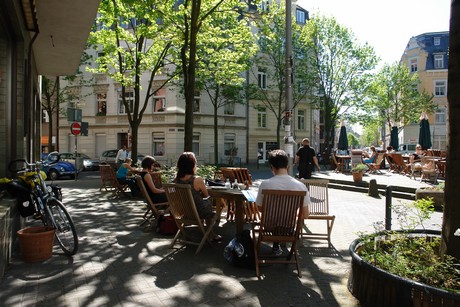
437,41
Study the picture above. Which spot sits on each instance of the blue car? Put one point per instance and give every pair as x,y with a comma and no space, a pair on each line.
54,168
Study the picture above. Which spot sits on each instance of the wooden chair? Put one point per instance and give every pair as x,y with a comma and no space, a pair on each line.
441,167
110,182
280,222
400,165
154,210
183,209
429,171
339,166
374,168
391,163
319,209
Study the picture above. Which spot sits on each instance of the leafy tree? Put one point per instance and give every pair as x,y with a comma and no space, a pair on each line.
339,70
370,135
271,61
394,98
134,38
352,140
222,61
450,244
193,21
55,92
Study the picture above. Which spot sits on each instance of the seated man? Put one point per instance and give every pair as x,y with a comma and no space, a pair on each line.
278,161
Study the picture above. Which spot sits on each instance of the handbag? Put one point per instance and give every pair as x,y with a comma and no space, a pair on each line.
167,225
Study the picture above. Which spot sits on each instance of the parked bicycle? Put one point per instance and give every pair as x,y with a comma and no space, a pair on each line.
43,202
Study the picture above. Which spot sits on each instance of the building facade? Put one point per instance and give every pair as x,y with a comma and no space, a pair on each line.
245,127
428,55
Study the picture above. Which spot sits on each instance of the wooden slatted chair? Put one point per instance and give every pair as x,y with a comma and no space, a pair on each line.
429,171
391,163
183,209
110,182
154,210
338,166
280,222
319,209
374,168
401,166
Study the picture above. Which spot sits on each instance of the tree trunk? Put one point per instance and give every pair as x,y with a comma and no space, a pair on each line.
189,77
216,136
451,220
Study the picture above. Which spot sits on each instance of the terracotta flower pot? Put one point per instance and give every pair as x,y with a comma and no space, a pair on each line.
357,176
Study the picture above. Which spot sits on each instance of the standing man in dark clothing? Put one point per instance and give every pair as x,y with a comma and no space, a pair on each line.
305,157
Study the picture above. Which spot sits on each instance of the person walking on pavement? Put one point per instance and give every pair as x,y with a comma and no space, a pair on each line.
305,157
121,156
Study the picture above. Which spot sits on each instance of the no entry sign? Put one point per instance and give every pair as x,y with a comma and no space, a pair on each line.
75,128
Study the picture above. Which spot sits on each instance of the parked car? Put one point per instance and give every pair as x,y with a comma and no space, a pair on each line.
109,156
54,168
84,162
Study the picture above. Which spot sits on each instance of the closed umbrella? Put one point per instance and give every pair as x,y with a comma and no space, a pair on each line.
343,139
424,137
394,142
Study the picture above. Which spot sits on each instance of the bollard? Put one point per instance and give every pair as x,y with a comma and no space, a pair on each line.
388,195
373,189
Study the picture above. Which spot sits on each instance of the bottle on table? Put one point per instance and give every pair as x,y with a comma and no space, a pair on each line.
228,185
235,185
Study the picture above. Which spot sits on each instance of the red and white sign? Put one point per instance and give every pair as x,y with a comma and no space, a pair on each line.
75,128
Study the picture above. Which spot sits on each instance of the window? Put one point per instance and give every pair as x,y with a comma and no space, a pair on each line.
300,16
159,100
413,65
229,143
263,6
129,97
196,102
440,88
440,116
262,79
158,144
438,61
261,117
437,41
301,119
229,108
196,144
101,104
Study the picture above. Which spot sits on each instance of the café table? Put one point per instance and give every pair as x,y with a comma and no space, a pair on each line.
234,195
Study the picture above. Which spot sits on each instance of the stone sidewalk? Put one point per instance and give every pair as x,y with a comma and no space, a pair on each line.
122,264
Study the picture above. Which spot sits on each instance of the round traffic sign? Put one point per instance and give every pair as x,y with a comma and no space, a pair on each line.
75,128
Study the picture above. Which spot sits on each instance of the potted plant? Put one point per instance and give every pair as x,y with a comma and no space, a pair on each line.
358,171
403,267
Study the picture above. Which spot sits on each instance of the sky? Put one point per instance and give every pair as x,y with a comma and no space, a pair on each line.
385,25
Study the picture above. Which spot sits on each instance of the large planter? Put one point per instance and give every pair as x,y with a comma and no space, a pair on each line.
375,287
36,243
436,195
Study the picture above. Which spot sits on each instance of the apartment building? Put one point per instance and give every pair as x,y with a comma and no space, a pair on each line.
247,126
428,55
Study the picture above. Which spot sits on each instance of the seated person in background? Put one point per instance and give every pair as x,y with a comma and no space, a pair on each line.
186,174
278,161
156,195
417,155
370,158
122,175
390,150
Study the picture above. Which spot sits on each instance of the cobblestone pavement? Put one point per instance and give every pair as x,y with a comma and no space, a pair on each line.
120,263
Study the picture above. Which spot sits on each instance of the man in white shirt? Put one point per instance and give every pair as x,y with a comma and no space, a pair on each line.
278,161
121,156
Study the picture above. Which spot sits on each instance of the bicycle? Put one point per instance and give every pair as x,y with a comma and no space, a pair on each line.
31,187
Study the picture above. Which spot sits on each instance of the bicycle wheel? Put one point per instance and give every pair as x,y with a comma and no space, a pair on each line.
64,227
